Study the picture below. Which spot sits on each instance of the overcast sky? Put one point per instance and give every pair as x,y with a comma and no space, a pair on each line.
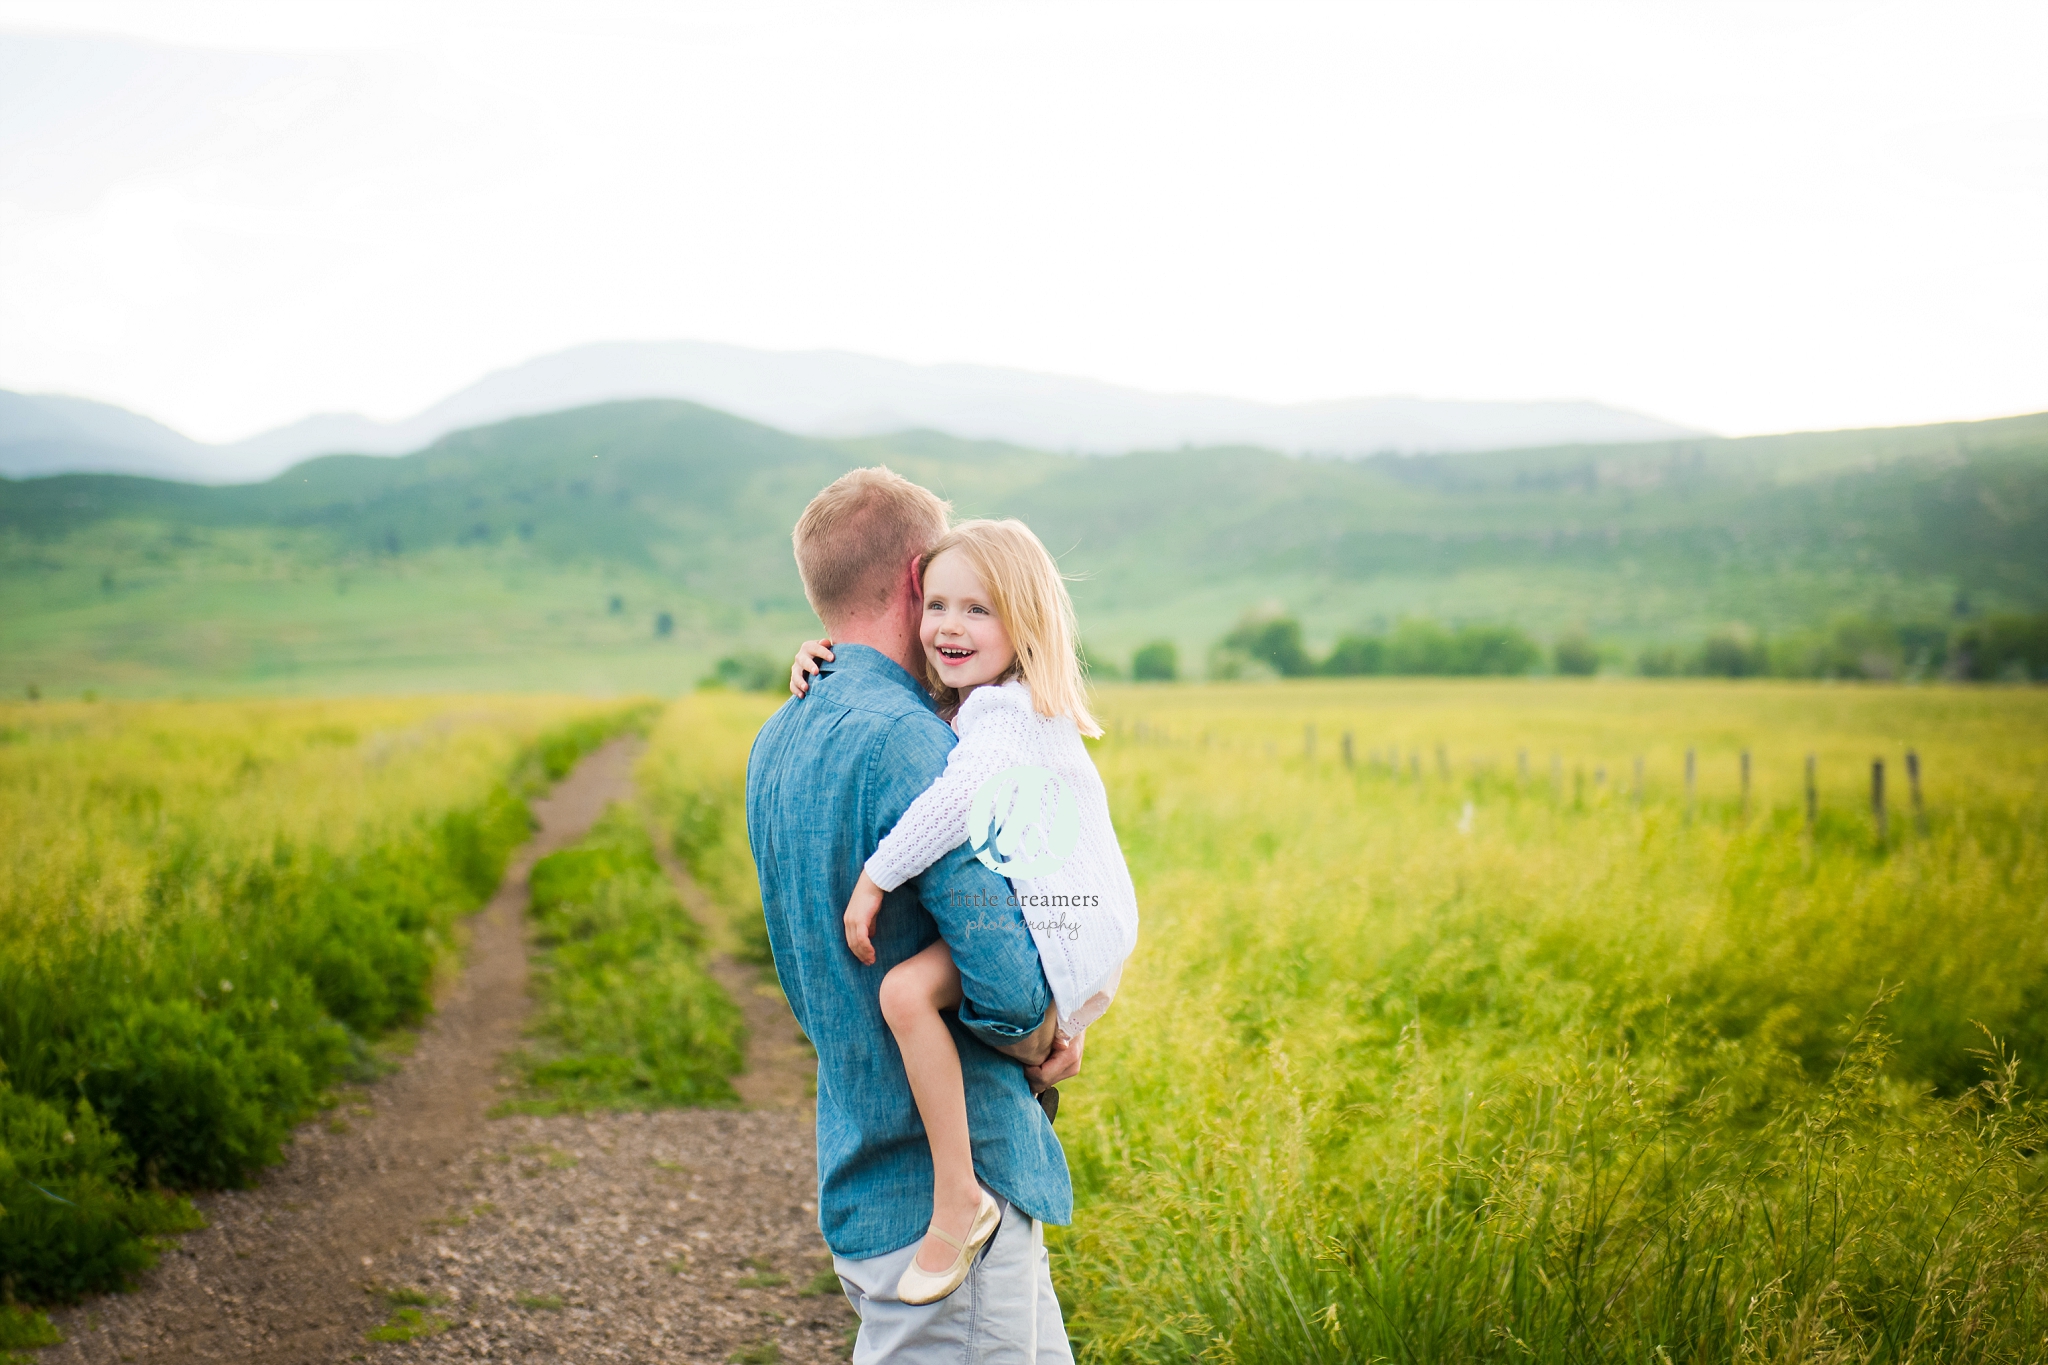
1749,218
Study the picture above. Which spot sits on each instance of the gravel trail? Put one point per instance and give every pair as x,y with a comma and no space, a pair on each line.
683,1235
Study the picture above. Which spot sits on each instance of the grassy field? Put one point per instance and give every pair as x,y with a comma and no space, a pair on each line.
209,912
1428,1060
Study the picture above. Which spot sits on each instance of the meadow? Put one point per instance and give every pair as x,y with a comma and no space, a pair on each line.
1481,1047
210,914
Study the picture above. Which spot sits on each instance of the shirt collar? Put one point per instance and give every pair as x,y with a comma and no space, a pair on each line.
871,662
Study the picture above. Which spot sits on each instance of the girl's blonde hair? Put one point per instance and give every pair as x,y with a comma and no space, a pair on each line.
1030,599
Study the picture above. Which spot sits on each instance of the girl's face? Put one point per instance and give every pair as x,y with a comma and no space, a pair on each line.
965,643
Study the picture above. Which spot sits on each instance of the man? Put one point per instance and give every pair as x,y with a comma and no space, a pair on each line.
830,774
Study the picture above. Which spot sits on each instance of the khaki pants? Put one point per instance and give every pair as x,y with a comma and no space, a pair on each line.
1005,1314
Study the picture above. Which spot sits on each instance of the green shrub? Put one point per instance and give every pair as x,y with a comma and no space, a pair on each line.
1658,661
1274,641
2004,647
747,673
1419,647
201,1101
1424,648
1356,656
1156,662
1857,647
1733,652
71,1223
1481,651
1575,655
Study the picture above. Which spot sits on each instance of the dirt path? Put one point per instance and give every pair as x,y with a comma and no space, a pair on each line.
682,1235
780,1066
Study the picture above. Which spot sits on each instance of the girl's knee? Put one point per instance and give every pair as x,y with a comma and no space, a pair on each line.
906,995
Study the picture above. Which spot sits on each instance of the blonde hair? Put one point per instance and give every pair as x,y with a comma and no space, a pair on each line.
1030,599
857,536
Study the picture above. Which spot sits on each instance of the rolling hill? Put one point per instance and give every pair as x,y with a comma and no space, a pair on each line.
545,551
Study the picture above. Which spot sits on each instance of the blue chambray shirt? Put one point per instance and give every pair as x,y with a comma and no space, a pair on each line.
829,775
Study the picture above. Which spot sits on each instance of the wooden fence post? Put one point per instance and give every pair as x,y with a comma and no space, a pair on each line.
1745,784
1557,775
1877,795
1349,759
1913,780
1522,765
1443,763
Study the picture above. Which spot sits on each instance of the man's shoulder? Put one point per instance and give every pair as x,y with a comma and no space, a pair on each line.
866,699
846,709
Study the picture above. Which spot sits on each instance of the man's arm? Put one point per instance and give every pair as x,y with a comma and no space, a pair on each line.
1005,999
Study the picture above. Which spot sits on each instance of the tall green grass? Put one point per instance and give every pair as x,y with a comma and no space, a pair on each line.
207,912
693,780
1471,1066
1433,1061
627,1016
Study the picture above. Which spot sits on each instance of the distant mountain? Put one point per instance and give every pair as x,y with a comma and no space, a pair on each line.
834,393
837,394
51,434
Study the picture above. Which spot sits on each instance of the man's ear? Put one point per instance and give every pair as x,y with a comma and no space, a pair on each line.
912,585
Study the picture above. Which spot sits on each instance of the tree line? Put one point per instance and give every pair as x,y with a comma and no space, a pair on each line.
2007,648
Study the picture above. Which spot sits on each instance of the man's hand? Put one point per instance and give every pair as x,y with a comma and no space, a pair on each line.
1062,1063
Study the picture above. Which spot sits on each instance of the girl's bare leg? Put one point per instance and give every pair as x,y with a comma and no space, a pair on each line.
913,993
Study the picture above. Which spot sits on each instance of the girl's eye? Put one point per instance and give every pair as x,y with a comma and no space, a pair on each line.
977,611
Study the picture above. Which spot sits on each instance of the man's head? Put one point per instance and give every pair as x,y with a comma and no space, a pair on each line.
857,542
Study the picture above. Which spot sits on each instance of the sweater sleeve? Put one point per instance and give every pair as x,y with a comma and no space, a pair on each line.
936,821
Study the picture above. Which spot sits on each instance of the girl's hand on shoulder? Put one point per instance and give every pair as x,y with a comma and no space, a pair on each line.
809,655
861,909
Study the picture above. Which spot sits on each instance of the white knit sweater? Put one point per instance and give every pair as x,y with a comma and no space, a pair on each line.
1082,913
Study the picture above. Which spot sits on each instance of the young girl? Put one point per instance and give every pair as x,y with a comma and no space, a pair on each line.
1000,655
